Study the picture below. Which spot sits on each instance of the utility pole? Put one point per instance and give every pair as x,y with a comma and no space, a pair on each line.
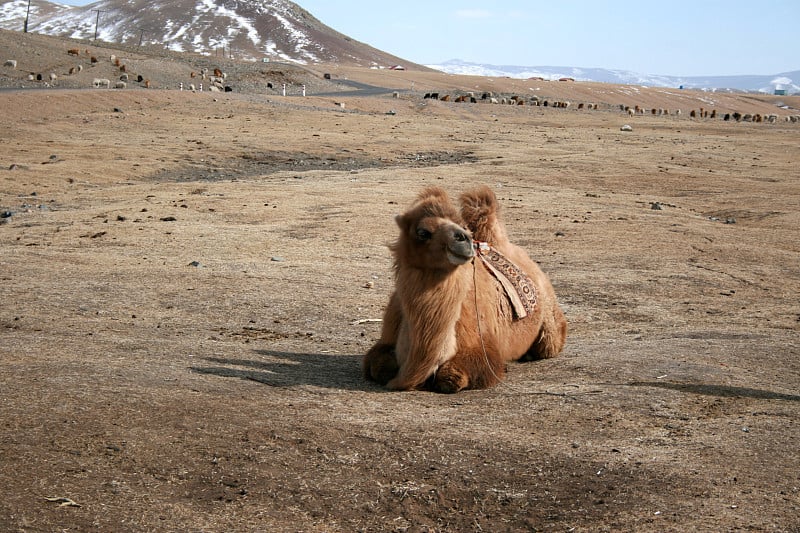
97,21
27,14
141,36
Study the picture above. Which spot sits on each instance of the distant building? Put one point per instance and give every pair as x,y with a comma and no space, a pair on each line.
780,92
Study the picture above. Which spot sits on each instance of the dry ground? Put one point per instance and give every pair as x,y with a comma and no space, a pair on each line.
185,301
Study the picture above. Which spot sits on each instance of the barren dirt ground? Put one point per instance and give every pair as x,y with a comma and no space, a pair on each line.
188,282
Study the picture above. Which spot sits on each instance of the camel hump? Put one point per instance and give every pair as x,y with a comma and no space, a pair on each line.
432,194
479,209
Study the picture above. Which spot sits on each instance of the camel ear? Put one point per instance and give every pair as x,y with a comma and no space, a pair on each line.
401,221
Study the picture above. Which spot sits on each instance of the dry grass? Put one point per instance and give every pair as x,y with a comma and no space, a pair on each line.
157,394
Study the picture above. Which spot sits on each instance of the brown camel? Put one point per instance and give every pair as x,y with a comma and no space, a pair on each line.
466,300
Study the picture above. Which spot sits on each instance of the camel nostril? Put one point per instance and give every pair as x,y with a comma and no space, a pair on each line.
460,236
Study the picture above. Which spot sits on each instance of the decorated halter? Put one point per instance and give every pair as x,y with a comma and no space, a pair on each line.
518,286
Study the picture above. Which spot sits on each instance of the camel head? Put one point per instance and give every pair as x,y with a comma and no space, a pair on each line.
432,236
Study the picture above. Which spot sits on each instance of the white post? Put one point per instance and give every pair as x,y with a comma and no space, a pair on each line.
304,90
284,89
201,87
181,86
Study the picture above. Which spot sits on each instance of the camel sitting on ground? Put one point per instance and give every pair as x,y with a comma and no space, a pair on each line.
466,300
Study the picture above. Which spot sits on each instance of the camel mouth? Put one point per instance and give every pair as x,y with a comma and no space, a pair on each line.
457,258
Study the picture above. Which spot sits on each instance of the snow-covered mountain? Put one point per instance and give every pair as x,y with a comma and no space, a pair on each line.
254,29
789,81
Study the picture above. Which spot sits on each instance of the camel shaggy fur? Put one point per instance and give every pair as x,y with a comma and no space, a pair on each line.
450,324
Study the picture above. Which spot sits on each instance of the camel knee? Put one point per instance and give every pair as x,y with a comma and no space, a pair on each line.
380,364
449,379
553,336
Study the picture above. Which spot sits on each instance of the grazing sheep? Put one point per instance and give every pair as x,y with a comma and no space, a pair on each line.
120,85
53,77
74,52
98,83
11,63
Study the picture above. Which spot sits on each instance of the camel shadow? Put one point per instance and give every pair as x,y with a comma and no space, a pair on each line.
287,369
722,391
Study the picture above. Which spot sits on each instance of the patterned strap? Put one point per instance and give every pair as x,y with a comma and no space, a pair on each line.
517,285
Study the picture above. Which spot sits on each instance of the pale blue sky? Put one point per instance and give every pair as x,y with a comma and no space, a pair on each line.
678,38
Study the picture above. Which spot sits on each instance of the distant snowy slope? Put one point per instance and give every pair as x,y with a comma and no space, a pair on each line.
790,81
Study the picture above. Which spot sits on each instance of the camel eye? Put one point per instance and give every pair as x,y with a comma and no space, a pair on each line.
423,234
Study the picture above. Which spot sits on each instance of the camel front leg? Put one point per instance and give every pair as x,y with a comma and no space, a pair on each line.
470,369
380,362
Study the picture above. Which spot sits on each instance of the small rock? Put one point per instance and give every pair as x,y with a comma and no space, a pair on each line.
168,219
6,214
277,259
656,206
195,264
730,220
626,127
369,285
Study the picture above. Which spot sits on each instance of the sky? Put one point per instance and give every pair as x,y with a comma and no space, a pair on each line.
675,38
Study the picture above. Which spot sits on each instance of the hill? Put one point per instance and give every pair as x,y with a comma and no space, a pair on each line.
246,29
39,55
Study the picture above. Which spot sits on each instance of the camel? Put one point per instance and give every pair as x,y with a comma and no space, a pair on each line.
454,320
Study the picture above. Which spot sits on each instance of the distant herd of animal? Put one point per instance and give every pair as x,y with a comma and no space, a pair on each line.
216,82
491,98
